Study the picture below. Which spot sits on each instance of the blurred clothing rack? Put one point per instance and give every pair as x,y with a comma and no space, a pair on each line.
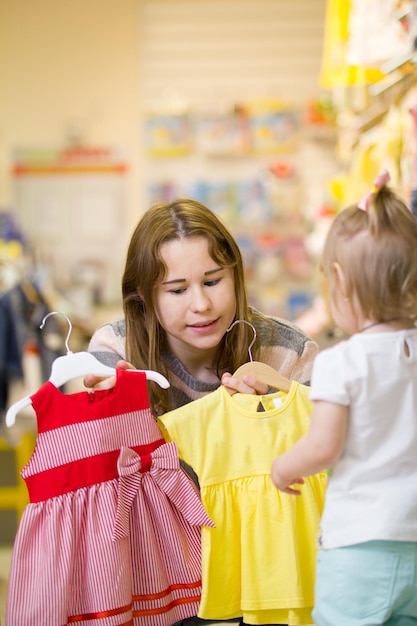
401,76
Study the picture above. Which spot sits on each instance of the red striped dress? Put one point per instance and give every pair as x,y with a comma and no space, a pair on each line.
112,531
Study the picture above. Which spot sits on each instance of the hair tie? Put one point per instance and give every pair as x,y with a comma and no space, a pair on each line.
382,179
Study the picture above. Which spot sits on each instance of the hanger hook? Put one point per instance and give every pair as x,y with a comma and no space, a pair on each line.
69,326
254,334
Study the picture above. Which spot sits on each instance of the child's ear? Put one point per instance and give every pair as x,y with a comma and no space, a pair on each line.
340,280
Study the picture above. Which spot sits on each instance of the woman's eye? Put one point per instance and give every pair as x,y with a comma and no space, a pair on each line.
212,283
177,291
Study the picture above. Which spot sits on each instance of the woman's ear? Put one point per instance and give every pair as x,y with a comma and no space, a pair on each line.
340,280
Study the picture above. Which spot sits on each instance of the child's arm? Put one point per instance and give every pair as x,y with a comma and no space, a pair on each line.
319,449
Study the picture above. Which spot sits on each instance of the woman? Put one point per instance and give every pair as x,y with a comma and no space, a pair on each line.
183,287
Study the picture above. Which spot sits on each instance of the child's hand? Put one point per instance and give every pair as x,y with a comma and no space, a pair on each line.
249,384
96,382
285,487
282,482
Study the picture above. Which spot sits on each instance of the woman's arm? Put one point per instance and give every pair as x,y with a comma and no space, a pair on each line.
108,346
285,347
108,343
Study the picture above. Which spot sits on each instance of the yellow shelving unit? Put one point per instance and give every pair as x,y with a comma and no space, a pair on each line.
13,491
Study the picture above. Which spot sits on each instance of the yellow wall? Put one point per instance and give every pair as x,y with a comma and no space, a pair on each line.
90,69
68,65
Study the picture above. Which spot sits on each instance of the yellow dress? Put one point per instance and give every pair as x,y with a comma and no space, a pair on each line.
259,560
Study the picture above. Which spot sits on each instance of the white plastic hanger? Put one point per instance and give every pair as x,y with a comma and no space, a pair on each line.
263,372
74,365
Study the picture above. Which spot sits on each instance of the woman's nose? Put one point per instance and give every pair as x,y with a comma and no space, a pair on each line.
200,300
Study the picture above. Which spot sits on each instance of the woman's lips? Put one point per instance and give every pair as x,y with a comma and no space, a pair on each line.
203,327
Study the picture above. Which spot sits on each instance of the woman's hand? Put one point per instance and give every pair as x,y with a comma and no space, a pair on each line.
97,382
249,384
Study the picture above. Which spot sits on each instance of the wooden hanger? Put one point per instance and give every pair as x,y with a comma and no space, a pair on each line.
263,372
74,365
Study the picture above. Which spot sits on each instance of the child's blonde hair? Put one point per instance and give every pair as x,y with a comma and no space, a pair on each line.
377,251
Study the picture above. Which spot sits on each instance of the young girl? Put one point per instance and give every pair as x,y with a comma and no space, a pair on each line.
183,287
364,422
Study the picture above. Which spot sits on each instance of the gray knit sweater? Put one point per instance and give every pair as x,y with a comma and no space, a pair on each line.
282,345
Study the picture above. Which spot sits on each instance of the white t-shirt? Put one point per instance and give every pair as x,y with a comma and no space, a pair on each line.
372,491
